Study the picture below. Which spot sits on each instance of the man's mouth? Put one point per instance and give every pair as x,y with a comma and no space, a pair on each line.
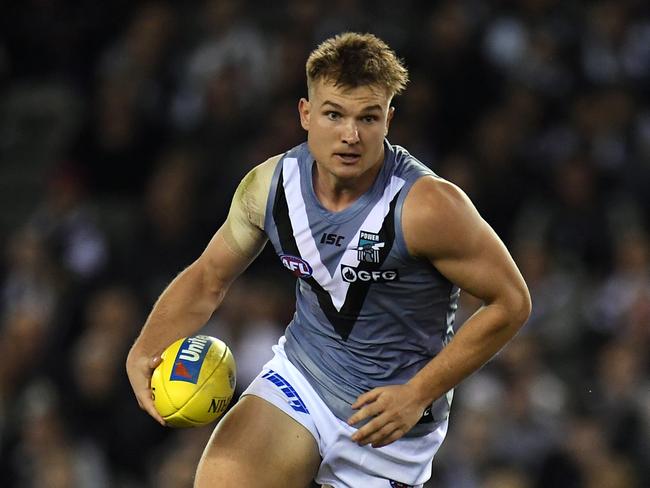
349,157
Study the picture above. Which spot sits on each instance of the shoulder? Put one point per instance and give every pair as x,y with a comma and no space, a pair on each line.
434,190
434,200
262,174
250,197
257,182
436,216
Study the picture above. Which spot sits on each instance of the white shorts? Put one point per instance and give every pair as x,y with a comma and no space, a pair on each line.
404,463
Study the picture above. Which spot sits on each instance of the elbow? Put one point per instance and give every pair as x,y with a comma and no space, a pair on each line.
521,307
515,307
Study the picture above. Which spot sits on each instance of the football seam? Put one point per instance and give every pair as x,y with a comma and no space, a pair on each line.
198,390
163,384
195,423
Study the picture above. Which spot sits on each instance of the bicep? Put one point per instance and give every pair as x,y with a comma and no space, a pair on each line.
479,263
241,238
447,230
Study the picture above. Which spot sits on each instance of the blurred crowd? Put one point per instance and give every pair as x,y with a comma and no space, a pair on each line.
126,126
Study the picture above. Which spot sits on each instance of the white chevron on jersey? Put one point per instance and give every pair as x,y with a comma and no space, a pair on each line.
334,285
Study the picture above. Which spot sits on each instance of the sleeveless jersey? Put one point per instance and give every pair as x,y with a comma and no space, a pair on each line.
368,314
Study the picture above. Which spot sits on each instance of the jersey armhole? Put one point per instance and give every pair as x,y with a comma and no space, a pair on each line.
399,209
400,242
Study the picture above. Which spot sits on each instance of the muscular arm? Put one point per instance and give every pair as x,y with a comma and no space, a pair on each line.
441,224
193,296
470,254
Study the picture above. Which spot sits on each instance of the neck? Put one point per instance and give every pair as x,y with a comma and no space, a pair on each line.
337,194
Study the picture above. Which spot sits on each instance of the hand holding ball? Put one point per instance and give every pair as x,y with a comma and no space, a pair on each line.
195,381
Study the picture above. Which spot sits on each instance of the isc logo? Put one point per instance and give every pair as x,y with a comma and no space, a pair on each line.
333,239
299,267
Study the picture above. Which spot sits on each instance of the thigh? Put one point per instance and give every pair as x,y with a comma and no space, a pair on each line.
405,462
256,444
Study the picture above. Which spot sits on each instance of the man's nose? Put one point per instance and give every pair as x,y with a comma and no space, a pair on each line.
350,133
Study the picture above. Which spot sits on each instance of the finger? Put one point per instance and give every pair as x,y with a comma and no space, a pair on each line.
154,362
139,373
367,397
381,435
361,436
377,431
389,439
151,410
146,403
366,412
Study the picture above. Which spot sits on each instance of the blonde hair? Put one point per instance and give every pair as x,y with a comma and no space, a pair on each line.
351,60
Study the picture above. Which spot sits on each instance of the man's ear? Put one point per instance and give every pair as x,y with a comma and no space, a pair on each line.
391,112
304,109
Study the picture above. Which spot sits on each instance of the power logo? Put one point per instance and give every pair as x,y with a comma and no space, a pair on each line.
369,247
189,359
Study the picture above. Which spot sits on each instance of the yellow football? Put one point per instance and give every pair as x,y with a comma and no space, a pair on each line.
195,381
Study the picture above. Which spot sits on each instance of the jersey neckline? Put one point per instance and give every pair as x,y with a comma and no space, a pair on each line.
360,203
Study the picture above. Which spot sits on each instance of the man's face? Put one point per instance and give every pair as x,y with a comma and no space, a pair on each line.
346,127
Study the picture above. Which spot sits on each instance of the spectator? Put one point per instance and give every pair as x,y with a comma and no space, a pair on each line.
538,109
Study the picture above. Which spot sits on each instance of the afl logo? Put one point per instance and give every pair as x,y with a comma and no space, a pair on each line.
299,267
397,484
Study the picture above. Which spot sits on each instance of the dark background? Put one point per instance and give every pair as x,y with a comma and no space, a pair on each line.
126,126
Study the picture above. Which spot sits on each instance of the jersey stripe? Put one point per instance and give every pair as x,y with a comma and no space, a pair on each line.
304,239
300,223
344,317
344,320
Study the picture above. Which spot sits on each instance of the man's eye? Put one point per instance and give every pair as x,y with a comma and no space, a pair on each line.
333,115
369,119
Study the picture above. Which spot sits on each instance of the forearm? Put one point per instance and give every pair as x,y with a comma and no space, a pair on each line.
182,309
475,343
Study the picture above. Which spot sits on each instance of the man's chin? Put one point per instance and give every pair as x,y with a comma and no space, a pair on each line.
347,171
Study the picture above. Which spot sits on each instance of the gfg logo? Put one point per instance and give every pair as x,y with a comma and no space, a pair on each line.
351,275
299,267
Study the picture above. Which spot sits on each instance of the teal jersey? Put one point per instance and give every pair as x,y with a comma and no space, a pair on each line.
368,314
